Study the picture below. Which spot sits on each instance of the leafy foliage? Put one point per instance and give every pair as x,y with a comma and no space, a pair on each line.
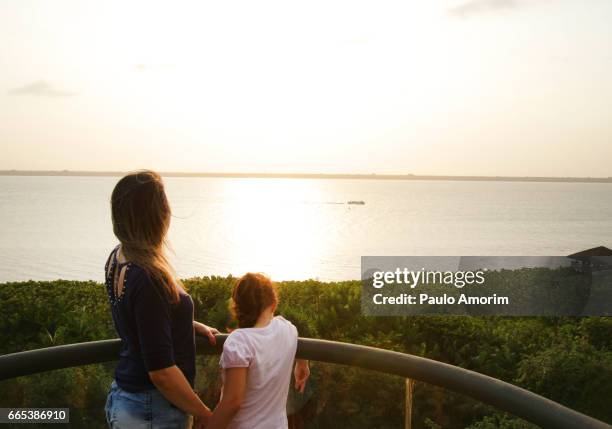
566,359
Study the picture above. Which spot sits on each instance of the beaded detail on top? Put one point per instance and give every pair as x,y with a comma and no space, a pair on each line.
114,290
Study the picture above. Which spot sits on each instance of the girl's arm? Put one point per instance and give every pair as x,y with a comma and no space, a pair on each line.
301,374
171,382
234,388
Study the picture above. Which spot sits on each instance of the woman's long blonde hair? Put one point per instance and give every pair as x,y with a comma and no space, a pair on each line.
141,218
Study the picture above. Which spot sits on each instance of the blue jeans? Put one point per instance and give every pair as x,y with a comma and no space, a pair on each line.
142,410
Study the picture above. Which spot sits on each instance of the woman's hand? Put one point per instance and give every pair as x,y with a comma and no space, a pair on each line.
171,382
206,331
200,422
301,373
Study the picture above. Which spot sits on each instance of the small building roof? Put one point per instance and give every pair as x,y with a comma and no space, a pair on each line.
589,253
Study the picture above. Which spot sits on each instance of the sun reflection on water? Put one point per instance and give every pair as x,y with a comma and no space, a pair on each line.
268,225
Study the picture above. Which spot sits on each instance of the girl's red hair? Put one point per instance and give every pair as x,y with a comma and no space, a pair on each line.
252,293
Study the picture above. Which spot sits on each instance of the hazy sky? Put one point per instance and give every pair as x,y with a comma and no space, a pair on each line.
486,87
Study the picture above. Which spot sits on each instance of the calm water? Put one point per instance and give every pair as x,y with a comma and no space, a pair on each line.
59,227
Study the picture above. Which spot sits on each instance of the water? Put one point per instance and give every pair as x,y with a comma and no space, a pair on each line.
59,227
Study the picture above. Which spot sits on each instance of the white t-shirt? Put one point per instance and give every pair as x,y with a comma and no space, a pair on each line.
269,353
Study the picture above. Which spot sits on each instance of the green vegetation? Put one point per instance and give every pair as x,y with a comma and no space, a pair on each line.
565,359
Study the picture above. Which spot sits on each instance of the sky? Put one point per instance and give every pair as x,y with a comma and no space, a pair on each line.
466,87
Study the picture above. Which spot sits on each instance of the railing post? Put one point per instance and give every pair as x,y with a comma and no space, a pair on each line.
408,406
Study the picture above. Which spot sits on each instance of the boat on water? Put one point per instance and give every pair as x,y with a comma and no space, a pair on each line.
358,203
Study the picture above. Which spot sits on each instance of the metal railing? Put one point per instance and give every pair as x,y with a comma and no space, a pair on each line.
520,402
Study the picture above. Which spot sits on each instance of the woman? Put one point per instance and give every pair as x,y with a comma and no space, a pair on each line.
152,314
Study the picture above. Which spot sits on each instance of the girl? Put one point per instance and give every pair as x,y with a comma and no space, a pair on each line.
152,314
257,360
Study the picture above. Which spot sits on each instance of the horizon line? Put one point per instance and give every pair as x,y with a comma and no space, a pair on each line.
259,175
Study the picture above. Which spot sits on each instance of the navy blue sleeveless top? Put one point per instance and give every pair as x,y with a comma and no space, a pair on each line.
154,333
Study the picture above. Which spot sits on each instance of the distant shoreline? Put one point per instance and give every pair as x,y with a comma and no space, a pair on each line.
70,173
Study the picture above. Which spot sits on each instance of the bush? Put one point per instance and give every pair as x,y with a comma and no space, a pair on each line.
566,359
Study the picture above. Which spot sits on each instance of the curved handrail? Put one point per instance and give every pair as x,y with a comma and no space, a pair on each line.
505,396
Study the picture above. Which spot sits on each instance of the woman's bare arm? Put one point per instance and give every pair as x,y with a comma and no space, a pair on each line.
206,331
171,382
